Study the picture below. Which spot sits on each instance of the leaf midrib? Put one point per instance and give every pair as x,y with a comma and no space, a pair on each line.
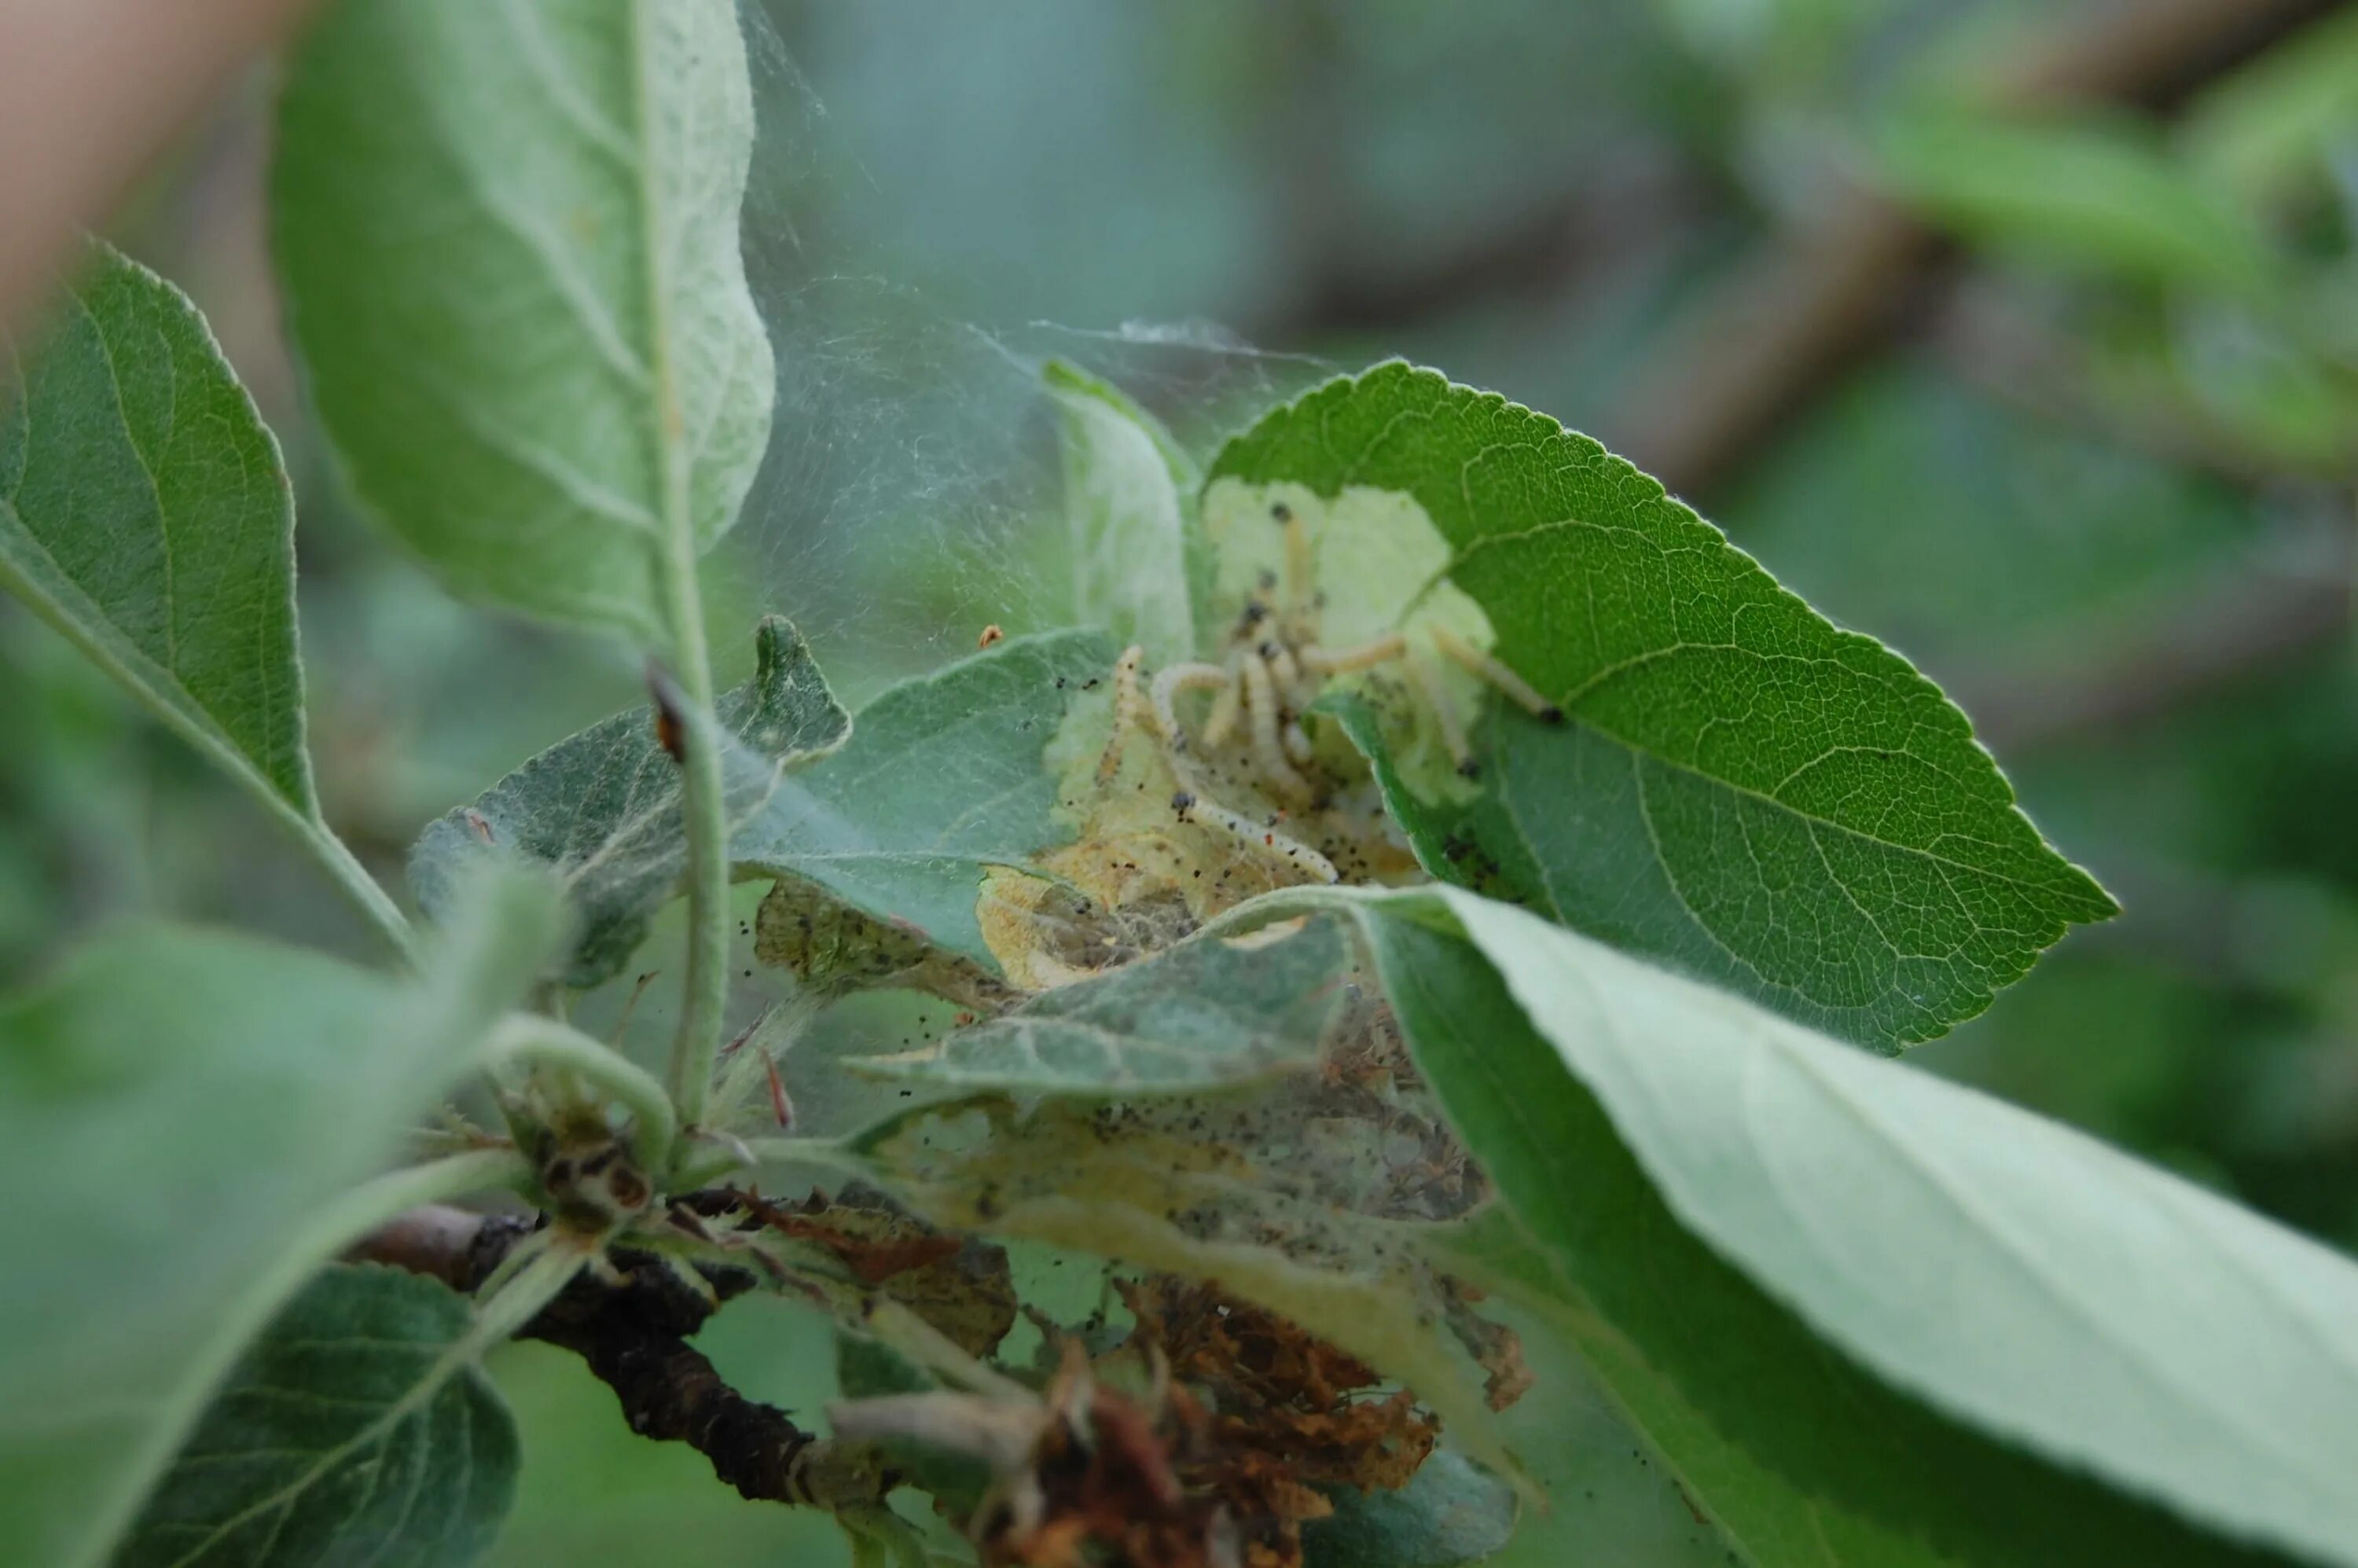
1458,558
436,1375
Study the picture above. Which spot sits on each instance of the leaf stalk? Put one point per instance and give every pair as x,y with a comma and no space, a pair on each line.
529,1037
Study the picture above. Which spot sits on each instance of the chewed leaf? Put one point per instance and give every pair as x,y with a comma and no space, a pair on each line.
833,950
945,778
1689,763
602,808
1128,487
355,1427
1208,1013
1293,1193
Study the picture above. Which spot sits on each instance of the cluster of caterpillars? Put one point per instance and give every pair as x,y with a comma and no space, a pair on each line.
1275,669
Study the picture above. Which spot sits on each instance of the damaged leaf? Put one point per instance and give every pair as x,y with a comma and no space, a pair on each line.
1210,1435
1292,1193
833,950
847,1252
1207,1013
602,808
944,780
1730,782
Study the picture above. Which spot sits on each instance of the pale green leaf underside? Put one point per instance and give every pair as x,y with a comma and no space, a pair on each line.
508,233
179,1112
145,513
1740,787
602,808
945,777
353,1431
2016,1277
1127,489
941,779
1207,1014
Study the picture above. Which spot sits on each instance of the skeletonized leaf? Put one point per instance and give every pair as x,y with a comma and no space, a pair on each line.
1736,784
354,1430
603,807
1787,1245
1211,1012
179,1112
509,238
1127,488
1298,1194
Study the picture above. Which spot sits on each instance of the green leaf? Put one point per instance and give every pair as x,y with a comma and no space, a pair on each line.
945,777
2272,126
1451,1511
1128,487
1736,786
1733,1194
508,235
356,1429
942,778
1206,1014
145,514
603,807
179,1114
2096,194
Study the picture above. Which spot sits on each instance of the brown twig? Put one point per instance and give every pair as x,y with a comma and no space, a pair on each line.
1786,327
633,1336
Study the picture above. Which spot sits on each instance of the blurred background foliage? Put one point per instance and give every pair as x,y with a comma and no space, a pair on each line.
2023,336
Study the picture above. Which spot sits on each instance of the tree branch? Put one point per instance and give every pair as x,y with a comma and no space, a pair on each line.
1786,327
634,1337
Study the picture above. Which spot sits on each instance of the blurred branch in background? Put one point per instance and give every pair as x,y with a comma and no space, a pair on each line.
2287,603
1994,345
1789,323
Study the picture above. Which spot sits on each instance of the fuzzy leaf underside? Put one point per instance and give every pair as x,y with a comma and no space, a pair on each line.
943,779
1738,787
602,808
1204,1015
228,1089
1799,1260
349,1431
508,235
145,513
